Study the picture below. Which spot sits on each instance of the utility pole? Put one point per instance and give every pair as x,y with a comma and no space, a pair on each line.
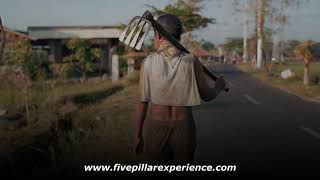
245,29
281,35
260,4
275,29
275,50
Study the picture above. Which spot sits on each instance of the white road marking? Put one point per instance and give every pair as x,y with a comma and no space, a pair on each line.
251,99
311,132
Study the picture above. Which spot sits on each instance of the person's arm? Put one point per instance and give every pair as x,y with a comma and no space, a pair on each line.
139,116
206,92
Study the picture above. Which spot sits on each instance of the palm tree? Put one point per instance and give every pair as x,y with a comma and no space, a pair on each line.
305,52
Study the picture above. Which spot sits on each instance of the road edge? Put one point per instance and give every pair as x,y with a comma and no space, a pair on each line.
305,98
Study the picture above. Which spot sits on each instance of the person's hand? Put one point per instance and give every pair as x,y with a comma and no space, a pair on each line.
138,145
220,84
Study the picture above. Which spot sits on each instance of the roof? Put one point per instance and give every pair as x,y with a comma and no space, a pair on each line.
23,35
67,32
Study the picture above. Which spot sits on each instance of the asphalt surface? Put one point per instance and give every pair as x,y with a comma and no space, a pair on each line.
260,129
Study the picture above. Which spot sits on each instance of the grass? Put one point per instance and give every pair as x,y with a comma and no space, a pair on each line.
297,67
293,85
109,125
12,94
96,126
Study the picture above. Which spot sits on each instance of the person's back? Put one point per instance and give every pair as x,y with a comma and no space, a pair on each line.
171,82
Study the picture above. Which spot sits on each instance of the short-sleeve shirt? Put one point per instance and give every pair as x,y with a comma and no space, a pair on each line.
170,80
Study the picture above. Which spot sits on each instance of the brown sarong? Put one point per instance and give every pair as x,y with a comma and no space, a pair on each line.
170,142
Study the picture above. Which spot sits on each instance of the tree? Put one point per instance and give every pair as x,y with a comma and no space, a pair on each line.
19,64
244,7
247,7
38,66
207,45
257,8
262,6
252,48
289,46
305,52
233,44
275,11
82,57
190,41
233,47
252,45
2,40
188,11
279,18
263,10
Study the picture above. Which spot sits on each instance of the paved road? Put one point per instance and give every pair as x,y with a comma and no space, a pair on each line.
259,128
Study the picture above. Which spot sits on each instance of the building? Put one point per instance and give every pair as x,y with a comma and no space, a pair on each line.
11,36
53,40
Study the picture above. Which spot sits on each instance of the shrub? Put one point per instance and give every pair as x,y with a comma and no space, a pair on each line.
39,66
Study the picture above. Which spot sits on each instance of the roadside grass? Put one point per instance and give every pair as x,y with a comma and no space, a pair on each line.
293,85
39,92
297,67
78,123
109,127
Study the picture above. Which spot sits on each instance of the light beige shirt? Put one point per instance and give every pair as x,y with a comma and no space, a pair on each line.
168,78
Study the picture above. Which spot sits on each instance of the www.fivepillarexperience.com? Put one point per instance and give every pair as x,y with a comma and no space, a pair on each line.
159,168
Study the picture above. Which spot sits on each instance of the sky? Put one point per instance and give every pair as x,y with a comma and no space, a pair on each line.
19,14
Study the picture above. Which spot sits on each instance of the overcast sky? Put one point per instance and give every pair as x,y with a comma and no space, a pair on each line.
18,14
